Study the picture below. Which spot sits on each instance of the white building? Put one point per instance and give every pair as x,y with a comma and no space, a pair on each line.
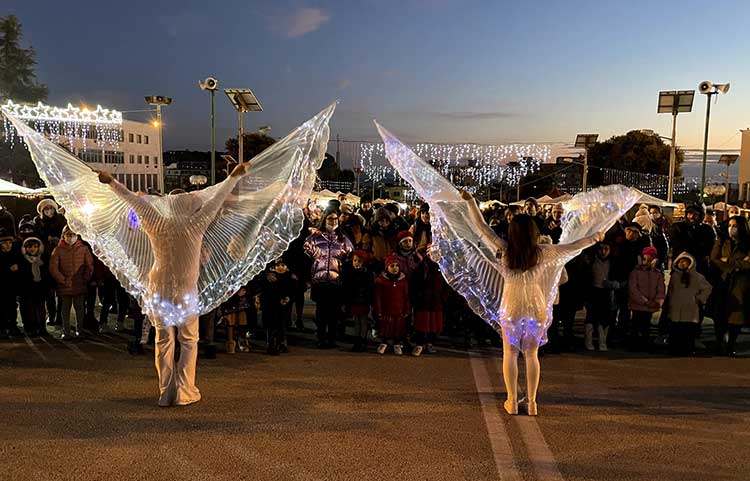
134,161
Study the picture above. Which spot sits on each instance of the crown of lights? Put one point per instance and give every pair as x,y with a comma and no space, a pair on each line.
48,113
71,122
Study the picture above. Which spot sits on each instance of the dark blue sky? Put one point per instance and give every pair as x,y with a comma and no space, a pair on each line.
437,70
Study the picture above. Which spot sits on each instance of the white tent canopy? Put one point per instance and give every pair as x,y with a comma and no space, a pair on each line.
9,188
651,200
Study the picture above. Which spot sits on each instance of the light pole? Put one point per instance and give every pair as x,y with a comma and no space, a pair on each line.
585,141
674,102
158,101
211,84
708,89
243,100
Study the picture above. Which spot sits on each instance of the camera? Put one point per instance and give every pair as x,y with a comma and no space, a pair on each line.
209,84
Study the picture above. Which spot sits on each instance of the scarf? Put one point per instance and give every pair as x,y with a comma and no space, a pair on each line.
36,265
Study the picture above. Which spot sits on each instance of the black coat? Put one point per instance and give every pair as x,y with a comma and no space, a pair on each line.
695,239
359,286
274,287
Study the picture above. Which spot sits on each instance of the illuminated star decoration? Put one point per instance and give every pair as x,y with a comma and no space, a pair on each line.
102,125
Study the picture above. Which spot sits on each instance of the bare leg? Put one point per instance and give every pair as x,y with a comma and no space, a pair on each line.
187,335
164,360
510,376
533,372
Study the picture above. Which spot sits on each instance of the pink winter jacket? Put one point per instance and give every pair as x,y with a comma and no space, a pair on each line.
71,267
646,289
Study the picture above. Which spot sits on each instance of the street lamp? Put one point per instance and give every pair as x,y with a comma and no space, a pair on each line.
585,141
243,100
727,159
158,101
674,102
708,89
211,84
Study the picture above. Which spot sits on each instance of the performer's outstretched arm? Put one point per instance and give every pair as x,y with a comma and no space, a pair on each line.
212,206
484,231
577,246
143,209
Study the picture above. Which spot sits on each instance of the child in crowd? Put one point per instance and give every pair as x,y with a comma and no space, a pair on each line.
646,295
428,294
359,287
392,306
602,301
10,260
235,315
71,266
688,290
276,290
408,260
33,283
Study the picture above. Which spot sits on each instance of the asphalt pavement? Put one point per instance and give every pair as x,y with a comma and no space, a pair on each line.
86,410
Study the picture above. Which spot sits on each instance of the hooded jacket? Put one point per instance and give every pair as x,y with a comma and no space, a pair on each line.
646,289
327,251
684,301
71,266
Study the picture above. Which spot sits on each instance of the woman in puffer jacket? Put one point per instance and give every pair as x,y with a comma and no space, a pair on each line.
71,266
688,290
328,248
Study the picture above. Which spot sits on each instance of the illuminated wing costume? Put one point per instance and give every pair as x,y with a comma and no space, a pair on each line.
182,255
471,258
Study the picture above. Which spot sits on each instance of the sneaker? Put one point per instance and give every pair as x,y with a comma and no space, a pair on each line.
430,349
283,349
417,351
119,327
64,336
102,328
382,348
398,349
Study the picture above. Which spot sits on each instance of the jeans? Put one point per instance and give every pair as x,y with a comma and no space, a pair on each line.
77,302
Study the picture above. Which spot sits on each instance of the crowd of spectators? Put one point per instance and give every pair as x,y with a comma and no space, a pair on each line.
649,285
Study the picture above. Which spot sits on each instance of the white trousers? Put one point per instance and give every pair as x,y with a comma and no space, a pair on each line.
177,383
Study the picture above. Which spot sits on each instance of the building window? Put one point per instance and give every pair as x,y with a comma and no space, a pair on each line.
90,156
139,138
140,159
145,159
132,159
145,139
130,137
129,181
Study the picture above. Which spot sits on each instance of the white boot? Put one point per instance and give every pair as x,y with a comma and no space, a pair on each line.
588,337
603,338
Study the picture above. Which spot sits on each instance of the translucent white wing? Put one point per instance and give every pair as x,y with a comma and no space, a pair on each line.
263,214
220,236
463,245
595,211
92,209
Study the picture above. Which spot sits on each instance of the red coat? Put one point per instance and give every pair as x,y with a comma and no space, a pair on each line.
392,305
428,293
71,267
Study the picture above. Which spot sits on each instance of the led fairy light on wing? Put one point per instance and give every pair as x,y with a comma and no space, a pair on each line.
73,123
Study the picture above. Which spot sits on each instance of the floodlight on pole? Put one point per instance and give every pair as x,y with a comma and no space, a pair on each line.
727,159
243,100
708,89
674,102
585,141
159,101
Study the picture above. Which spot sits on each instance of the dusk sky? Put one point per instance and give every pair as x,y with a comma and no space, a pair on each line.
430,70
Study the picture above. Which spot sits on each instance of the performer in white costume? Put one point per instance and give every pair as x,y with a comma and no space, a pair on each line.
513,296
183,255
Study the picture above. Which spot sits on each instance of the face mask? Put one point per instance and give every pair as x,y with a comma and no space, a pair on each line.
656,215
70,240
331,228
733,232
